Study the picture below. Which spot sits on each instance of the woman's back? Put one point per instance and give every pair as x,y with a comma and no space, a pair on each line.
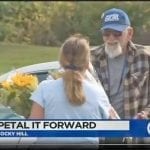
52,97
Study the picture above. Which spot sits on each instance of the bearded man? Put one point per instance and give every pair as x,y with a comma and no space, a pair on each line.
123,67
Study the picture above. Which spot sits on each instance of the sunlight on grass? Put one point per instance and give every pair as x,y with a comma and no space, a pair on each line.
17,55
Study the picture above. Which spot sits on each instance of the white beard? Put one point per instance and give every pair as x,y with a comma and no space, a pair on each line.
113,50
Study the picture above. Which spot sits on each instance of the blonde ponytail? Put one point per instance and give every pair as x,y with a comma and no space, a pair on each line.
74,58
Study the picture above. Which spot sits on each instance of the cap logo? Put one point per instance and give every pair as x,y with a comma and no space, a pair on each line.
112,17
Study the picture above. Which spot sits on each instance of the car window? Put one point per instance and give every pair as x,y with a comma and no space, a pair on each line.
41,75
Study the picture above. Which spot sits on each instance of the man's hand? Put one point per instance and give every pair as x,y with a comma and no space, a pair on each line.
141,115
113,114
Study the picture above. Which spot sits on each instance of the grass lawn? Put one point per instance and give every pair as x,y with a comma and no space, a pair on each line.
18,55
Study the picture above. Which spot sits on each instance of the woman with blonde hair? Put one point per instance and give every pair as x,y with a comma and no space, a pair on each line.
72,96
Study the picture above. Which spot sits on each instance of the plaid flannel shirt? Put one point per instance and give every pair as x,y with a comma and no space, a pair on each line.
137,81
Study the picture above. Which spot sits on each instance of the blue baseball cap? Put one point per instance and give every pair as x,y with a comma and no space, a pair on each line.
115,19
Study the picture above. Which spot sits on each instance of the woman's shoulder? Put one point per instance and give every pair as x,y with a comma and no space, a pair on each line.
49,82
95,87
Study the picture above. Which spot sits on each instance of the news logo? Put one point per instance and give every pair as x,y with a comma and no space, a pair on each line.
148,128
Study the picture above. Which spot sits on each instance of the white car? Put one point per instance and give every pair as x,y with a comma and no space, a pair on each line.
41,70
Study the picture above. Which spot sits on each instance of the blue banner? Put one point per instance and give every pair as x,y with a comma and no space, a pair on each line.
131,128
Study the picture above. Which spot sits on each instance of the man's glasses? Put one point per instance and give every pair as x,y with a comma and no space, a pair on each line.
107,33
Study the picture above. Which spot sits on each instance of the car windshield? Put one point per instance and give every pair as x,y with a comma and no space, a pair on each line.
41,75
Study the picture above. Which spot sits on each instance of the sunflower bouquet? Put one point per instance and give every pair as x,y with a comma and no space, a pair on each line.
16,92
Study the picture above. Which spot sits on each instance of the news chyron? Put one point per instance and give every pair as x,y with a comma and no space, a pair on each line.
33,129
